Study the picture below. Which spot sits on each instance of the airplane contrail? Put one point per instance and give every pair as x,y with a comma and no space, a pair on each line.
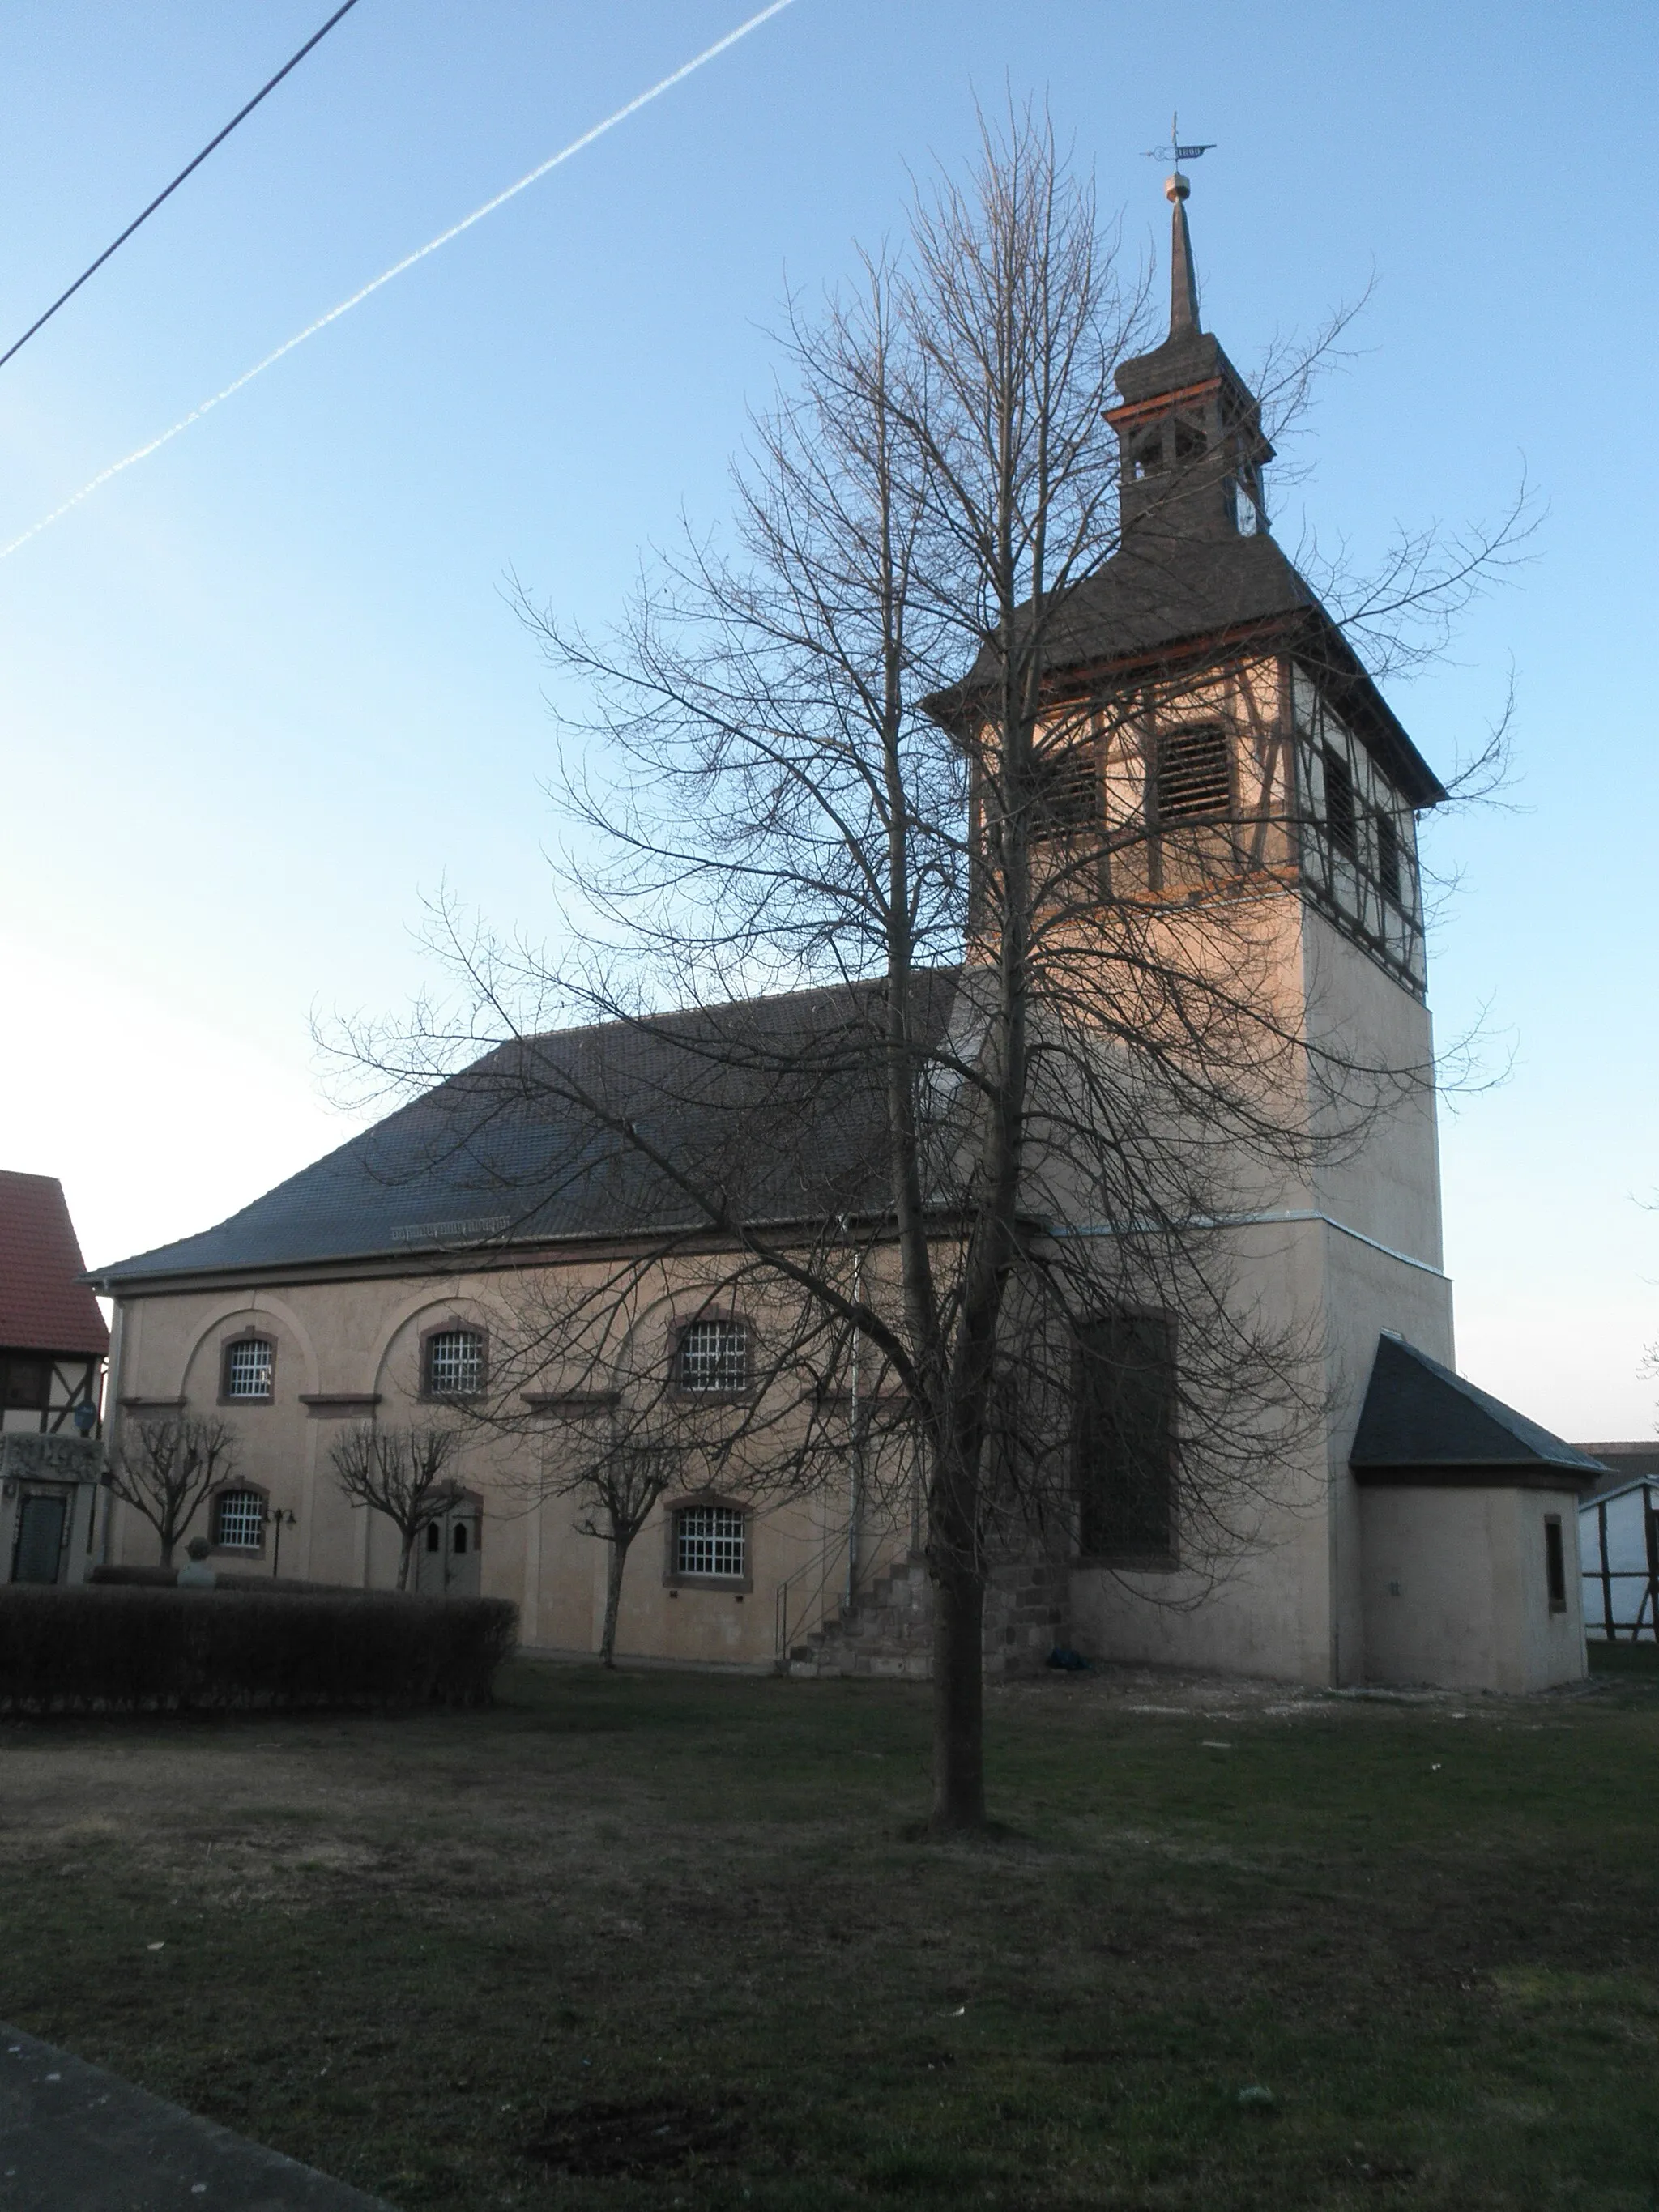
621,115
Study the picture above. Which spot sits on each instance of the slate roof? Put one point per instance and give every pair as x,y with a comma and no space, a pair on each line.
773,1105
43,1304
1161,596
1420,1419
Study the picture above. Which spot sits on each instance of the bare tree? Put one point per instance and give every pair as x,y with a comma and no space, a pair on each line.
401,1472
616,1493
981,1162
166,1470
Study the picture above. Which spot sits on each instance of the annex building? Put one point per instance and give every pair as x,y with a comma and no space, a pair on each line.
1426,1531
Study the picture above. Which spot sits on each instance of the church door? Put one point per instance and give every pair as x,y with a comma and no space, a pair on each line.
446,1556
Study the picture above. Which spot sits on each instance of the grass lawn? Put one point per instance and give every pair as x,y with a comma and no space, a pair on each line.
662,1939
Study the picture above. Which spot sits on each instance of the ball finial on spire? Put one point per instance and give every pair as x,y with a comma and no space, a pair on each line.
1176,187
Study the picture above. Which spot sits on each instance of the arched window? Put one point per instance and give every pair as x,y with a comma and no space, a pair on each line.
453,1363
249,1366
713,1357
239,1521
711,1542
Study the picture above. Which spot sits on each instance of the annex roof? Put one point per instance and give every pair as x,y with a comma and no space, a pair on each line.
45,1306
770,1107
1420,1422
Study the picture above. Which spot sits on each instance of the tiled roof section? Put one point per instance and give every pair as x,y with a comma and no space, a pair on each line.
1420,1415
43,1305
1164,597
770,1108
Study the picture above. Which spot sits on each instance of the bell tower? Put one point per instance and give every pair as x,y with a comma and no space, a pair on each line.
1189,428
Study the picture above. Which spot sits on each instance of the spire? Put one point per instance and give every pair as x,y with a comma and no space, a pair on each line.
1183,277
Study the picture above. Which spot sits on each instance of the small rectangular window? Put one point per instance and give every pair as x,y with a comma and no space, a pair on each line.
1388,856
24,1382
713,1356
1125,1438
1194,773
710,1540
1555,1563
248,1364
1341,815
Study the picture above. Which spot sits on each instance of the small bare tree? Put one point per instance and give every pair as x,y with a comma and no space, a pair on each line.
400,1473
617,1491
166,1470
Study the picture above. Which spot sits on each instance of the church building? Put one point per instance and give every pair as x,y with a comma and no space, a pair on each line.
1427,1535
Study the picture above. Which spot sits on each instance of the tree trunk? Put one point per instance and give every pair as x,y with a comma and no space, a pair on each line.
167,1543
404,1556
958,1700
616,1560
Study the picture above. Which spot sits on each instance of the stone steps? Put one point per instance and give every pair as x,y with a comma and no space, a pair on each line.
888,1631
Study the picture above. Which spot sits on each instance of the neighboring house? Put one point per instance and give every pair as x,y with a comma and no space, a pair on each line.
370,1286
52,1347
1619,1538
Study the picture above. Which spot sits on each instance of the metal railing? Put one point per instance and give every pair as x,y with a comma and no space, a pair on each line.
806,1598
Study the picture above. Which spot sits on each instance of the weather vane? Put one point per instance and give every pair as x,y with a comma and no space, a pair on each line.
1175,151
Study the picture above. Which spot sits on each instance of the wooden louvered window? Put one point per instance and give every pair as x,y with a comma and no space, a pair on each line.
1341,810
1194,773
1124,1439
1388,856
1066,791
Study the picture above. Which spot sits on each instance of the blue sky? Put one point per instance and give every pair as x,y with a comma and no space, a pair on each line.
262,693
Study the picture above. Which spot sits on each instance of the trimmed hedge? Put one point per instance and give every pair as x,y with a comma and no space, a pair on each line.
167,1578
93,1649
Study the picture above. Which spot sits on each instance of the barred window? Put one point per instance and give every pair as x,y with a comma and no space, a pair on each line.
1341,814
248,1364
454,1363
710,1540
1193,773
714,1355
238,1520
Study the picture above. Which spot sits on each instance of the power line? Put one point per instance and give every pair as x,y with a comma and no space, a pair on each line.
621,115
240,116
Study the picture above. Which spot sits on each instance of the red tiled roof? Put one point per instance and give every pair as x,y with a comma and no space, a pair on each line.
43,1307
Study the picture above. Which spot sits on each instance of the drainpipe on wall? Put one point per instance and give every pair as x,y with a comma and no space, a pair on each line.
112,1416
853,1484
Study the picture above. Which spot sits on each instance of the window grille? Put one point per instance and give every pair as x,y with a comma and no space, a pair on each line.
1341,816
454,1363
1193,773
248,1368
714,1356
710,1540
1125,1438
1388,856
238,1520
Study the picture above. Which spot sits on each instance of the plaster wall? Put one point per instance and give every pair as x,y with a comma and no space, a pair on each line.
359,1340
1456,1588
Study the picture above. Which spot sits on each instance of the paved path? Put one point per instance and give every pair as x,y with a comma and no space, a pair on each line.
75,2139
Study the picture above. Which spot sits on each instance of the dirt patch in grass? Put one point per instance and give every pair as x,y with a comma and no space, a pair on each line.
651,1941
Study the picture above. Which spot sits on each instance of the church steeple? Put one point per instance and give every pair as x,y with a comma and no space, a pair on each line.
1183,277
1189,428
